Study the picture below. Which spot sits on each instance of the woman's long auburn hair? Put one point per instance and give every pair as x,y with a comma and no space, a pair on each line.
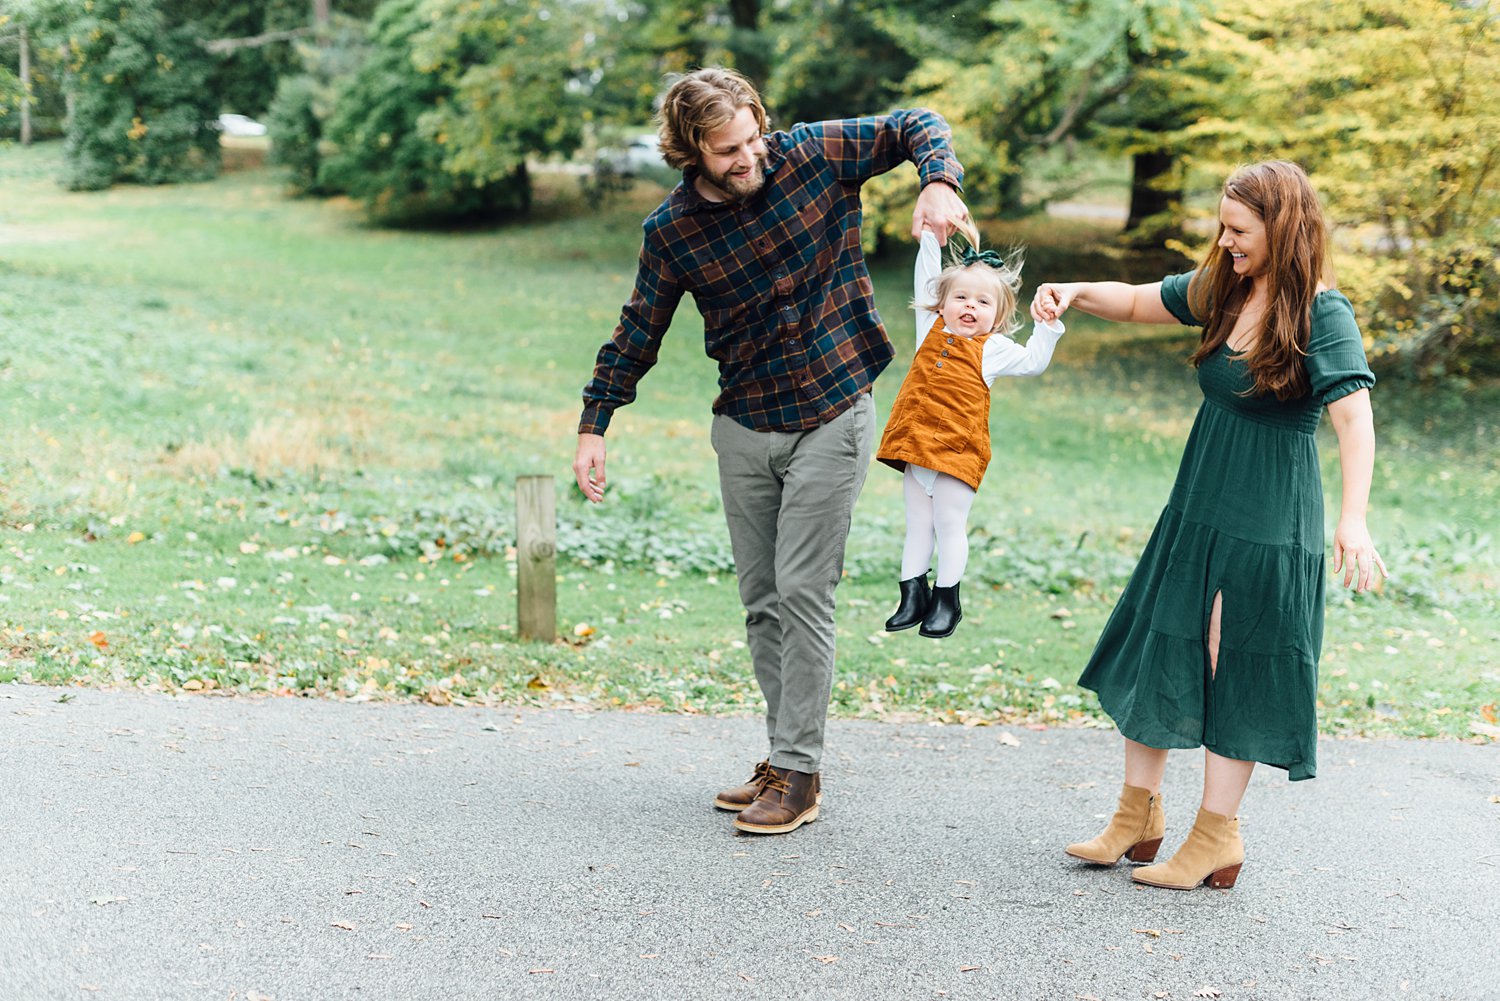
1282,197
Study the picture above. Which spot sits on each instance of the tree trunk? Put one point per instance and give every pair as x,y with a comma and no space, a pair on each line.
1008,197
1149,195
321,15
746,42
25,88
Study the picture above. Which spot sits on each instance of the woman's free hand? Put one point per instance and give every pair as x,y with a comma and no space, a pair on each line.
1354,553
1050,302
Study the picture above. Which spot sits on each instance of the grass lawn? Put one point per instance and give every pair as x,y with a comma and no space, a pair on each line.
249,444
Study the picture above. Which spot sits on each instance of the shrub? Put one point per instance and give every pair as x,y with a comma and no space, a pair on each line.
142,109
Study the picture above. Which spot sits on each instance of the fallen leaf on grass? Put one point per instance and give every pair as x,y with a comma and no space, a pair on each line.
99,640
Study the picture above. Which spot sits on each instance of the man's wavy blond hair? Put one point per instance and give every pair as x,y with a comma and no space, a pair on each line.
699,103
1007,281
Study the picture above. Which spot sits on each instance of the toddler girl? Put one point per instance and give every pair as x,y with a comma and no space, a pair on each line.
938,432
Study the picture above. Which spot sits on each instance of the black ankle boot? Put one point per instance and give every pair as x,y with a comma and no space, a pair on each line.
915,595
943,614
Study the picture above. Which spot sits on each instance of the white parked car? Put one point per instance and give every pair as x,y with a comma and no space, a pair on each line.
632,154
240,125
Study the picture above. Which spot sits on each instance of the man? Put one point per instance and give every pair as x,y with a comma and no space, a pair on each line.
764,232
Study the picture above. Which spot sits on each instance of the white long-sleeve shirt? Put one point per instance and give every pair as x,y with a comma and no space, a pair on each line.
1002,355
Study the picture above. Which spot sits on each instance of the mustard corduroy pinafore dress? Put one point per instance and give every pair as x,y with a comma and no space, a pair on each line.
941,416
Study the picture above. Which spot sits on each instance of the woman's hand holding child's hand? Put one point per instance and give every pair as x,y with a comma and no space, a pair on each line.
1050,302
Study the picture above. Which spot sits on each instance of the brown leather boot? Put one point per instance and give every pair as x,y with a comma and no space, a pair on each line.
739,797
1211,856
1135,831
789,800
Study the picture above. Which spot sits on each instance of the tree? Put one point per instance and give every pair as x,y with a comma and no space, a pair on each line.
1018,78
385,155
31,94
518,74
1393,106
142,109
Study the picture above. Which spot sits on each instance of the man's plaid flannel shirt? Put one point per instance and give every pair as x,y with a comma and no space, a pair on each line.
780,280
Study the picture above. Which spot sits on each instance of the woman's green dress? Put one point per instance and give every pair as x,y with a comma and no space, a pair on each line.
1245,519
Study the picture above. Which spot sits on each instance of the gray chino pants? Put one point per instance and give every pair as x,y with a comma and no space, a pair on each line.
788,498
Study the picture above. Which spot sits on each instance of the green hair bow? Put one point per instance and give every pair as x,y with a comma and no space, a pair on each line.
972,256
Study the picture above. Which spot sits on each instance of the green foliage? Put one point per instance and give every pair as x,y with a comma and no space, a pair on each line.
246,79
142,109
295,125
1393,106
385,154
298,117
1037,73
515,69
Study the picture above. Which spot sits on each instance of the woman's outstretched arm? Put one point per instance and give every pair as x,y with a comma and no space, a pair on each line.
1107,300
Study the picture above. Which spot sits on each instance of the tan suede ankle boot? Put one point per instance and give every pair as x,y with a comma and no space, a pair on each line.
1212,854
1134,831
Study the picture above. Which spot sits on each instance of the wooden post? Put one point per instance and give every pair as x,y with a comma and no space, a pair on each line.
536,558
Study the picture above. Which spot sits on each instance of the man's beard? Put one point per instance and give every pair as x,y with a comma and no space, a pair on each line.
738,188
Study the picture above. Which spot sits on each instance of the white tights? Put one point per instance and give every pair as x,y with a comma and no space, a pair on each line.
940,517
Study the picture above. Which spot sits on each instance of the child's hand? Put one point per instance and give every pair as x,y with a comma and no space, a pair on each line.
1050,302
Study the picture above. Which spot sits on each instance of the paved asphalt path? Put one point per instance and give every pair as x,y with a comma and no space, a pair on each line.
241,849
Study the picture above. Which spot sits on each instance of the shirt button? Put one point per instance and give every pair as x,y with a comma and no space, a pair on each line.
950,340
939,364
945,354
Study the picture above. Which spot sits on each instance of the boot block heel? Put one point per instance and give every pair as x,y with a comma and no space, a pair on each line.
1224,878
1144,851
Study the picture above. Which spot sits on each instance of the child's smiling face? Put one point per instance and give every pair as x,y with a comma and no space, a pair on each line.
972,302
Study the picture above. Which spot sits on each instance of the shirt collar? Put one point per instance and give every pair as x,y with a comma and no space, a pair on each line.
690,201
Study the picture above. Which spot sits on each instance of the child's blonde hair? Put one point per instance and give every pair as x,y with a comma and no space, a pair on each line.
1007,275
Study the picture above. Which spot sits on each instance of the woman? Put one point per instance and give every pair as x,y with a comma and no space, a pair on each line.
1215,640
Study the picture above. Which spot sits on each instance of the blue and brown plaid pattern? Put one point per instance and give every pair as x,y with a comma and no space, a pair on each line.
780,280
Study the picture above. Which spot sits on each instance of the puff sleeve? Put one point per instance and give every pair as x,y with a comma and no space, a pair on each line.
1336,363
1174,296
